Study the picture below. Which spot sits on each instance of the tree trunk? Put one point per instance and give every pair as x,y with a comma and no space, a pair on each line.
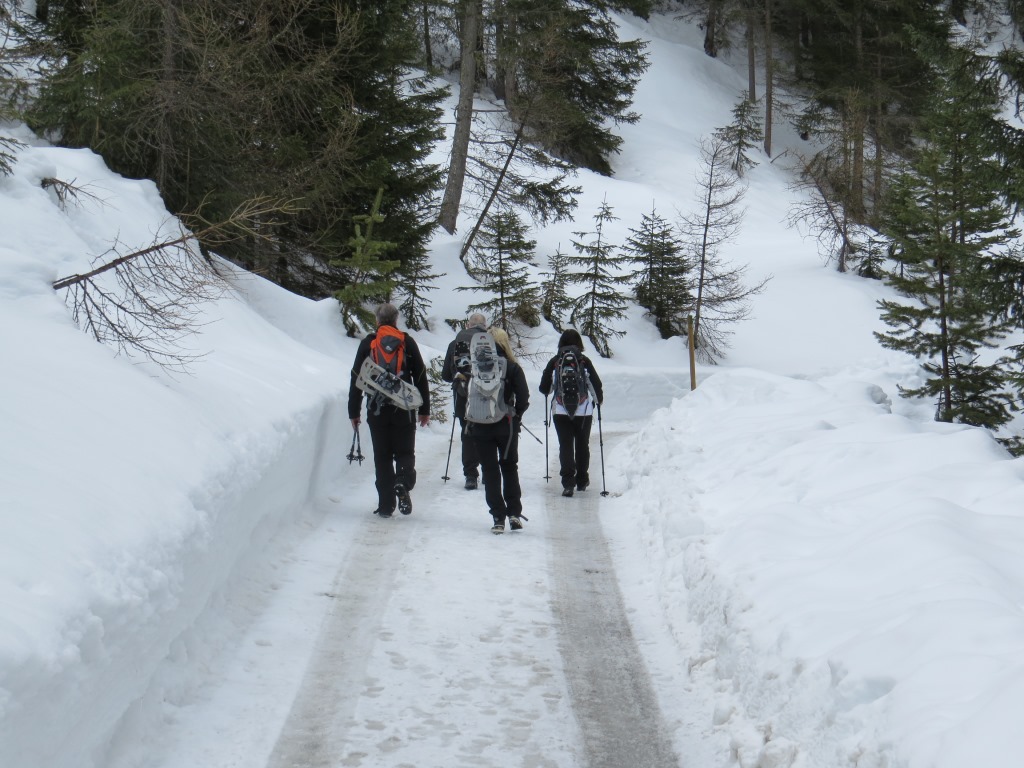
428,51
769,76
751,54
168,91
858,120
947,391
500,79
464,118
878,179
711,29
494,191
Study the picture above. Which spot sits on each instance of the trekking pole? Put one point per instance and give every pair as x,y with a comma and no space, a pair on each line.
600,442
547,473
530,433
355,453
450,441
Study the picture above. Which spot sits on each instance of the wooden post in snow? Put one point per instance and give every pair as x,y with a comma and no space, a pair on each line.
689,344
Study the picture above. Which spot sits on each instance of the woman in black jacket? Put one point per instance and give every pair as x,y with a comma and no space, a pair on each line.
571,377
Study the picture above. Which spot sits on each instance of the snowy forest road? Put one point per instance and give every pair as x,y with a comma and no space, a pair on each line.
425,641
446,645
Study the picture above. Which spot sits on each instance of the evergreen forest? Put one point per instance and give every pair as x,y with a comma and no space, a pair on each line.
312,127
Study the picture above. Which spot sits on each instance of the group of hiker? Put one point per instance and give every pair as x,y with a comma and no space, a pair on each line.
490,396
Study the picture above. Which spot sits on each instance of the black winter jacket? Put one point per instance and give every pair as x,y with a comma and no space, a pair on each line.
547,377
450,368
517,393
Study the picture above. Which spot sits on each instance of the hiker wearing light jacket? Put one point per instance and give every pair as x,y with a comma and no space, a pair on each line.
392,427
571,377
497,443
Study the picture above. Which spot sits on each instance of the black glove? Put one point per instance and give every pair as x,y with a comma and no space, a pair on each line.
517,423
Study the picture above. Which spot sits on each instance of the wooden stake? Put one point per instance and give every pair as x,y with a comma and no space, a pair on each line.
689,343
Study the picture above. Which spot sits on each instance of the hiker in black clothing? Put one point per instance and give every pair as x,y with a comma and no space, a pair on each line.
573,420
392,428
498,445
456,372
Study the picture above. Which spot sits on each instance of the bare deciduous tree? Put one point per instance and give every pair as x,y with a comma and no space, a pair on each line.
147,301
721,296
820,213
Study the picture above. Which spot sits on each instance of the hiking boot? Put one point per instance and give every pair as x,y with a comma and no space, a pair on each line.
515,523
499,525
581,486
404,502
382,512
471,484
567,491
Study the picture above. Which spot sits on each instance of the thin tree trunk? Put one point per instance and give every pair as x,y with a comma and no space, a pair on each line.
947,390
858,120
168,90
428,50
500,79
751,54
711,30
878,179
769,76
452,200
494,192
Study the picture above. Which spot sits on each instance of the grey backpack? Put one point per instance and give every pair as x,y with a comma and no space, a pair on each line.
485,397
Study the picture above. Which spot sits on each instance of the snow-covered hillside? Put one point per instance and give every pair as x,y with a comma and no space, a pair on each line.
816,573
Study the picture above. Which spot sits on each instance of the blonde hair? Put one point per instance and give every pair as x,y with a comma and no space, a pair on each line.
502,340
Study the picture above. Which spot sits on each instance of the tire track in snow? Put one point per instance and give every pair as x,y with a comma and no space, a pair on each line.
609,685
310,737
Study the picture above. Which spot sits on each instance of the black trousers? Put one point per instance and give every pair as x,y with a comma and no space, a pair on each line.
470,457
393,435
573,449
499,465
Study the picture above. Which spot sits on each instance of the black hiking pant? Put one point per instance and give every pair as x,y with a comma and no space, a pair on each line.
470,457
499,465
573,449
393,435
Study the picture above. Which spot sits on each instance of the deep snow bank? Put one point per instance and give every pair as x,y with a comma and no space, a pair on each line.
130,499
844,581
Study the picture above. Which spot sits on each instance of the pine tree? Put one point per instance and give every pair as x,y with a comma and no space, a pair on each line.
21,43
948,222
366,273
860,63
743,134
662,282
415,281
555,303
570,79
500,261
219,101
601,272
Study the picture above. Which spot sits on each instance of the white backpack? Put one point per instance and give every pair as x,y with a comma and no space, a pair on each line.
485,399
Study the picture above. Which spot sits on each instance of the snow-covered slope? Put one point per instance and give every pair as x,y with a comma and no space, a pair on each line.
131,498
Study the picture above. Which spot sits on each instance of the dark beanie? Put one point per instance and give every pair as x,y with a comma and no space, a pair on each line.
570,338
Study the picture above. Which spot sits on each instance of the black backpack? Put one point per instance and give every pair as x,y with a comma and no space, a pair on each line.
571,389
463,365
